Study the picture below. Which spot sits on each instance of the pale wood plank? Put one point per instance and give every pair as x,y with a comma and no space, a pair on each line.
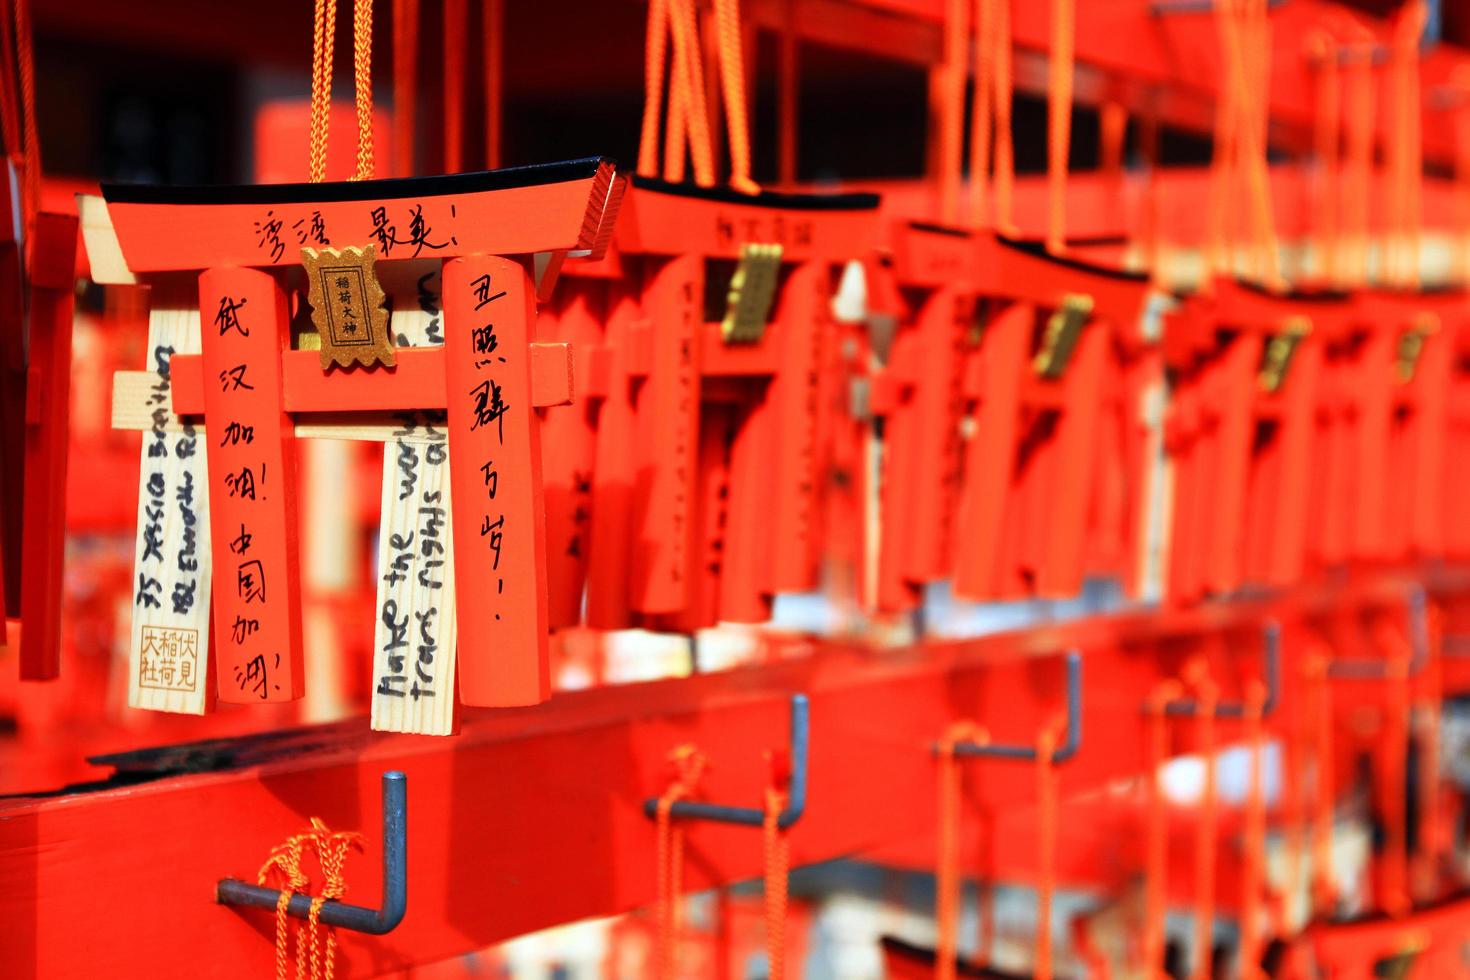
168,655
415,633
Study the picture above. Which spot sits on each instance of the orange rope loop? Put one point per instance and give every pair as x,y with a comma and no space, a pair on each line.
1046,830
324,38
982,108
31,174
324,35
1156,862
1358,146
655,45
732,77
1207,697
947,911
952,107
1253,878
1406,151
285,863
1061,70
1324,887
689,765
1327,138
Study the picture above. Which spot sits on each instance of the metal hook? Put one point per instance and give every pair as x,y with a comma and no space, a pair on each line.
750,816
232,891
1064,751
1418,641
1271,635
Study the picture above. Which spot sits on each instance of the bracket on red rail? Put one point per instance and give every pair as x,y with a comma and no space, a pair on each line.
376,922
1418,638
1062,752
752,816
1271,636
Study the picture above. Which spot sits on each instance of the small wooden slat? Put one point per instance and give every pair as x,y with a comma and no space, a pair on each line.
794,395
668,429
415,653
252,488
48,414
169,667
500,531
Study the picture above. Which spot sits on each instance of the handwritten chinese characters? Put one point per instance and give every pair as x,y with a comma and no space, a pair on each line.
251,488
499,550
168,646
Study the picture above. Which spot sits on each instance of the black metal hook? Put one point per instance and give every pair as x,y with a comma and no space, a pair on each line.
1064,751
1271,636
1418,641
232,891
750,816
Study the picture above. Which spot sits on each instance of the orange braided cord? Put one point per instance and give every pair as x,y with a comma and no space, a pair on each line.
1405,151
1358,163
1324,886
1428,723
676,138
776,863
952,108
1061,68
1207,696
362,70
1046,800
493,12
686,50
1395,751
1156,843
405,82
655,43
1253,875
732,77
456,25
324,35
689,764
286,862
9,100
26,57
1327,136
982,109
1005,157
947,911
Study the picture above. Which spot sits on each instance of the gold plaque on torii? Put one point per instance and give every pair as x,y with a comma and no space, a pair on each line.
347,306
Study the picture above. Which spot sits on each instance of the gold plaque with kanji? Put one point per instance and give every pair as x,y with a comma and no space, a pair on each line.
347,306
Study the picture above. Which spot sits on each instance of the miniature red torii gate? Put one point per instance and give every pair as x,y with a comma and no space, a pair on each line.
497,234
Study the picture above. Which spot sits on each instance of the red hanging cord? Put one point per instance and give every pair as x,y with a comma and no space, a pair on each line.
1253,869
362,71
25,49
456,24
947,874
493,15
732,78
689,764
776,864
1327,137
1005,157
1156,861
1207,696
982,108
9,80
1324,886
1358,140
1061,69
324,37
405,82
952,107
1046,830
655,49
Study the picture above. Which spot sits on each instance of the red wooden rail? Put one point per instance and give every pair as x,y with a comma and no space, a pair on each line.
533,816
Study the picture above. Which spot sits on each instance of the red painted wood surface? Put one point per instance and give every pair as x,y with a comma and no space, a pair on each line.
12,401
416,381
556,208
534,816
252,492
668,435
499,526
568,445
48,413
